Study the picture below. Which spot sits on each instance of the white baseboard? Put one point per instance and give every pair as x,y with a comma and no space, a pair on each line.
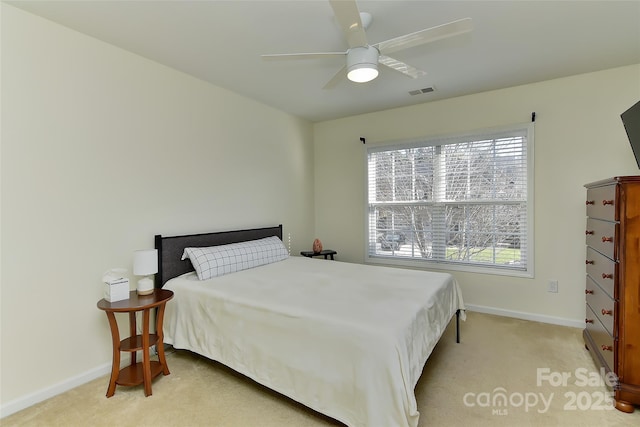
48,392
527,316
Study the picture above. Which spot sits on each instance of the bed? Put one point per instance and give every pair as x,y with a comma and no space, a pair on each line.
347,340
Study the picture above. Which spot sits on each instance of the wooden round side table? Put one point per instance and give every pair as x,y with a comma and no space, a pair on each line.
137,373
325,253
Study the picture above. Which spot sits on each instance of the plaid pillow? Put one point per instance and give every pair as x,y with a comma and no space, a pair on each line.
224,259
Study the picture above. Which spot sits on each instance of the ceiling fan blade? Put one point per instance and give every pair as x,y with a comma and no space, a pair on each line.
277,56
337,78
401,67
429,35
348,17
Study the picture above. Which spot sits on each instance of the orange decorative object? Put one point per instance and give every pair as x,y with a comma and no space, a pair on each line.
317,246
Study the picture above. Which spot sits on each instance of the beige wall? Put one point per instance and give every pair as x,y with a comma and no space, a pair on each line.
579,138
102,149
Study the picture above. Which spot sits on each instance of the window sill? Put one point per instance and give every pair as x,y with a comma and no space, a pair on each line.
445,267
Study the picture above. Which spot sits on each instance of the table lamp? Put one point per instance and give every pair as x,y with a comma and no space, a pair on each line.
145,263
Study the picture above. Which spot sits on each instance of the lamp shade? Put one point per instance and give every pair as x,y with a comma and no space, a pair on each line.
145,262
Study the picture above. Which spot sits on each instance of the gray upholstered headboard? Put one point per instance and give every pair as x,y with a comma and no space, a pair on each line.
170,248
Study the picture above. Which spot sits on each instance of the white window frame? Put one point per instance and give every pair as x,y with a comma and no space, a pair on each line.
527,271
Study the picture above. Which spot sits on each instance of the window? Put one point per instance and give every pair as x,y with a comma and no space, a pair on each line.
457,203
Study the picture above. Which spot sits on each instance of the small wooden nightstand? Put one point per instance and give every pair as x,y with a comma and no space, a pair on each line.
326,253
137,373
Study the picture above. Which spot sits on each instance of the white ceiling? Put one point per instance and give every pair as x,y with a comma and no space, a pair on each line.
513,43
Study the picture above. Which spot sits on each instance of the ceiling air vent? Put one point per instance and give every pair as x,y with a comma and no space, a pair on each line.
421,91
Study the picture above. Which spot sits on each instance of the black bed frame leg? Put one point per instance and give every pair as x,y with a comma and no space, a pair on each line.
458,326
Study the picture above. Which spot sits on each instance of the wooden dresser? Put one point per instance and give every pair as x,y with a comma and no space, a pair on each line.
612,332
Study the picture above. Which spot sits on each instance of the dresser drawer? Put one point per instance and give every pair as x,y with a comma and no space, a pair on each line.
602,270
604,341
601,236
601,303
601,202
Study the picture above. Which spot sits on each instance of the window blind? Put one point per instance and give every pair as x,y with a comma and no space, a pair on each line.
461,200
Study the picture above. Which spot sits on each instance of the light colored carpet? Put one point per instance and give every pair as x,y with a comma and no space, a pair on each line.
496,355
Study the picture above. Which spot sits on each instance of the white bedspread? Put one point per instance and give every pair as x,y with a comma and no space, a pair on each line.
347,340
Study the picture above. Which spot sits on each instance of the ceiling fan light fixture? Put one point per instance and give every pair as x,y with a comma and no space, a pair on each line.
362,73
362,64
363,58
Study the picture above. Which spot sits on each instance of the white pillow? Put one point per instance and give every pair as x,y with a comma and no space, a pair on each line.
218,260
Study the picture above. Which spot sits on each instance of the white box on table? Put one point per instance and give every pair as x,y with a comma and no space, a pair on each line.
116,289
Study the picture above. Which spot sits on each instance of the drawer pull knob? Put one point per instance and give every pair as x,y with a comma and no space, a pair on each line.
607,239
589,262
607,202
607,347
588,320
588,232
588,291
607,276
605,312
591,202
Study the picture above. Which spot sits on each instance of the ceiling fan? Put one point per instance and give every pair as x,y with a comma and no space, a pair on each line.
363,58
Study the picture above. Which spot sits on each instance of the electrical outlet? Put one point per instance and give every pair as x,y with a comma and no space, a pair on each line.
553,286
